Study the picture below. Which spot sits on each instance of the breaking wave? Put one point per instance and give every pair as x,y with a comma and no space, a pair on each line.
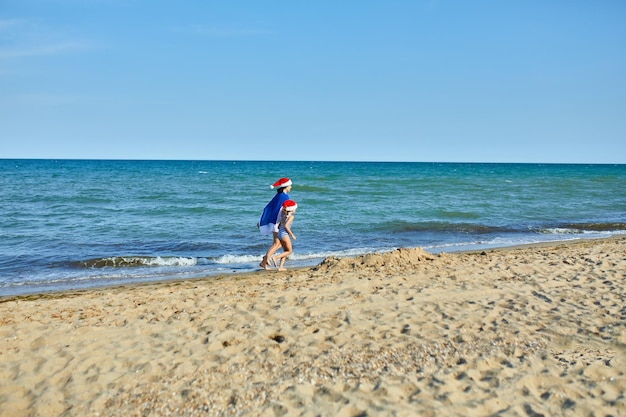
136,261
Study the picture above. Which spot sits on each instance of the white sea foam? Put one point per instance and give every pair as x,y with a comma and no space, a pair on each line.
298,256
237,259
130,261
172,261
561,231
569,231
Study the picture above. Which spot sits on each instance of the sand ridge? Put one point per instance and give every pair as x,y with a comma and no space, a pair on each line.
530,331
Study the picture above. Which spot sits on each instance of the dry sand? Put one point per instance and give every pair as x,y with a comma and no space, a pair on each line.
531,331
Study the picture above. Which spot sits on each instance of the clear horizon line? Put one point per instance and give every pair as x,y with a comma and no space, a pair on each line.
304,160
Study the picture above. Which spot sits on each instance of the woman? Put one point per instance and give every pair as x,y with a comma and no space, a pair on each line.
268,223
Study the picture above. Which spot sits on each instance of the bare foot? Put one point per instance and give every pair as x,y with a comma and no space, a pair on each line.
264,264
282,269
274,260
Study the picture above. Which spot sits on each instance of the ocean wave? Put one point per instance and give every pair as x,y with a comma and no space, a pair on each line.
341,253
403,227
560,231
136,261
234,259
494,243
224,260
597,227
480,229
584,228
245,259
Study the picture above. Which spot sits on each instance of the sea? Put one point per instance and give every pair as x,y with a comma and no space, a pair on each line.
75,224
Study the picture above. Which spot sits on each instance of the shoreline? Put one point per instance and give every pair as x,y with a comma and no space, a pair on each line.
235,275
522,330
55,293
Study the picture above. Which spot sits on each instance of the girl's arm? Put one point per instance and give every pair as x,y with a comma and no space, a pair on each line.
288,227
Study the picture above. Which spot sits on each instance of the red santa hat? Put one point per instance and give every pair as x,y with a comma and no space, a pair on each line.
281,183
290,205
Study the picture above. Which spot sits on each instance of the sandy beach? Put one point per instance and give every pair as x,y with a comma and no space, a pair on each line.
528,331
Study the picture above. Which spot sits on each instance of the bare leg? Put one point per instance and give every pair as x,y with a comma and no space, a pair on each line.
287,250
265,263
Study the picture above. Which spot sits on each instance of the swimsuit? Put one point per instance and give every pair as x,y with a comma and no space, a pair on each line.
282,232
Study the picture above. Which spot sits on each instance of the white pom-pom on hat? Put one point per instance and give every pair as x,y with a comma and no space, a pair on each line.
281,183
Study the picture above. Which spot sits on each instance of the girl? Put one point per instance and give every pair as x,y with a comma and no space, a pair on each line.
284,232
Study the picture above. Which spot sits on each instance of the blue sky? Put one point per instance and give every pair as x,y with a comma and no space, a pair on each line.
422,80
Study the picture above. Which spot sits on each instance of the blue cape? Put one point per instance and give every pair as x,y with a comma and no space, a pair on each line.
269,217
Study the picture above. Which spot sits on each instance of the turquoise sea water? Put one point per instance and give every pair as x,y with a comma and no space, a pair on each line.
73,224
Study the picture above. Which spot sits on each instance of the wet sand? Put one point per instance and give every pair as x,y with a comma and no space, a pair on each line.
528,331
